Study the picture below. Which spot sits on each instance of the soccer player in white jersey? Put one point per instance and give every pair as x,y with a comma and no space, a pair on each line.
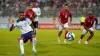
26,27
37,11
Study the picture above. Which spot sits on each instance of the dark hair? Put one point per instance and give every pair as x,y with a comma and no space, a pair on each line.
29,5
33,1
65,4
21,12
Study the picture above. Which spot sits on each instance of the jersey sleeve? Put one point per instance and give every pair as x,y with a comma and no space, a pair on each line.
70,14
86,20
96,20
38,12
29,21
26,14
15,23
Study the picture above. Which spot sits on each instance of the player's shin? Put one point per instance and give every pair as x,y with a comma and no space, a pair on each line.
22,46
65,34
91,35
34,45
81,38
59,34
65,37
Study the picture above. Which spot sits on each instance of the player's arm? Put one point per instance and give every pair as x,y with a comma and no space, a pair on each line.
34,16
59,20
32,26
85,24
39,12
12,27
96,20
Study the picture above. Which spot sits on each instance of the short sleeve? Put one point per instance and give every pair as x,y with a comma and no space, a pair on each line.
70,14
29,21
15,24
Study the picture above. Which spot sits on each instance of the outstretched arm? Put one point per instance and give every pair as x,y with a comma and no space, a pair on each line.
96,22
12,27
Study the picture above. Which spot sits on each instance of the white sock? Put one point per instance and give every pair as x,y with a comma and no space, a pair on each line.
58,38
34,43
36,30
22,46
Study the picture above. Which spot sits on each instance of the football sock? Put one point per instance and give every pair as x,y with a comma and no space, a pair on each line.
82,37
89,37
22,46
65,34
34,43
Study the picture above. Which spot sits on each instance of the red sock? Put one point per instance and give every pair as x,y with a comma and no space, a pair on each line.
65,34
89,37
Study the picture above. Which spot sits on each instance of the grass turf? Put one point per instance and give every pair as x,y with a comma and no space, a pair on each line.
47,44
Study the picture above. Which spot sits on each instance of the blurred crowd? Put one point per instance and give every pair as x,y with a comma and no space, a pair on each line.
49,3
18,5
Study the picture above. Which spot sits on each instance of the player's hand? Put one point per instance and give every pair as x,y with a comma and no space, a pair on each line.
61,24
69,24
94,29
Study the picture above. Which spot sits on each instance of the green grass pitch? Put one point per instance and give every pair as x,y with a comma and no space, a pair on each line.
47,44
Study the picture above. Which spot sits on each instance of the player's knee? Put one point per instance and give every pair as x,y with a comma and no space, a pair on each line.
25,40
33,36
92,33
82,35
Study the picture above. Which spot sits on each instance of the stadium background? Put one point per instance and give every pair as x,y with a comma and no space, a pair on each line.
49,10
47,44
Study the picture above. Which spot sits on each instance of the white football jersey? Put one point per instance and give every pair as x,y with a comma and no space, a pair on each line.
37,12
24,25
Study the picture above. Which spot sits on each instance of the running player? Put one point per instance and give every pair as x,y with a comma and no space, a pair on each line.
37,11
88,27
25,25
63,21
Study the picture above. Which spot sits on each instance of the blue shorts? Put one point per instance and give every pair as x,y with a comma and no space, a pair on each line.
27,36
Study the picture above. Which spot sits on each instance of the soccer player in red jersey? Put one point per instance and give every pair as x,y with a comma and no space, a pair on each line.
63,21
30,13
88,27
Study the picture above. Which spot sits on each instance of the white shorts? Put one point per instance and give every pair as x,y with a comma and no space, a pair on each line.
62,27
85,31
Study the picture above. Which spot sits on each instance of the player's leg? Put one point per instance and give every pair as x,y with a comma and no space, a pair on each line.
36,26
82,25
21,46
91,30
22,41
33,29
82,35
33,34
60,32
33,24
66,31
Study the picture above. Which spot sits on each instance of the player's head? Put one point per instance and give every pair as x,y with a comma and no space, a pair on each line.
21,15
34,3
30,7
90,14
66,7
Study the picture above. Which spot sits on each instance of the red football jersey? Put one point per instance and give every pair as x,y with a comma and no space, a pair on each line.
64,16
90,21
29,13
